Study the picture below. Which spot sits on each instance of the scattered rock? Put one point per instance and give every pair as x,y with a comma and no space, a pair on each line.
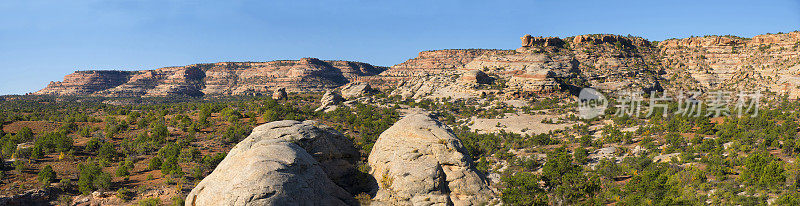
666,157
638,150
419,161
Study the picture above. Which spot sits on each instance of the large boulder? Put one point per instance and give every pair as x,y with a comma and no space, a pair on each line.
279,94
282,163
329,101
355,90
419,161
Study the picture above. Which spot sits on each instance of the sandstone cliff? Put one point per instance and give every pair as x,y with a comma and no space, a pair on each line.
435,62
541,65
769,62
224,78
612,63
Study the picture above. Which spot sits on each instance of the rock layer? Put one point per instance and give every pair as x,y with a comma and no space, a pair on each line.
224,78
769,62
611,63
419,161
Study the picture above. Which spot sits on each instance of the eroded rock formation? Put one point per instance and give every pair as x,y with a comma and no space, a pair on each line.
529,41
419,161
330,100
283,163
224,78
279,94
354,90
611,63
769,62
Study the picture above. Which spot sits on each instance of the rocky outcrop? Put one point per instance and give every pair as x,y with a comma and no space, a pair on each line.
444,85
215,79
529,41
86,82
435,62
419,161
29,198
539,82
354,90
459,84
330,101
475,77
282,163
279,94
548,64
597,39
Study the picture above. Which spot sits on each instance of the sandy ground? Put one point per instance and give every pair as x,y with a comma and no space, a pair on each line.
516,103
520,124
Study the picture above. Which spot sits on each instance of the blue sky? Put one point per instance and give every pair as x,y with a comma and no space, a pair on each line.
41,41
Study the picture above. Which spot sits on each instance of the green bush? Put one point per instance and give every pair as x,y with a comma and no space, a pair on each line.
122,171
47,175
92,178
523,189
154,164
124,194
153,201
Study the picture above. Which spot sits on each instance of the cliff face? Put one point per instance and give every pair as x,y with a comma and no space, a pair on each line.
611,63
86,82
224,78
541,65
768,62
614,63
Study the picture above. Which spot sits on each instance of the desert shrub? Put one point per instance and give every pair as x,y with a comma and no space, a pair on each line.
47,175
19,166
153,201
124,194
24,135
122,171
92,178
580,155
107,151
211,161
178,201
170,166
523,189
154,164
763,168
190,154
